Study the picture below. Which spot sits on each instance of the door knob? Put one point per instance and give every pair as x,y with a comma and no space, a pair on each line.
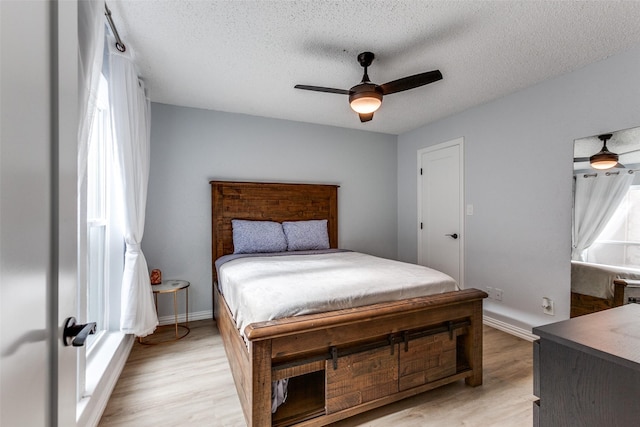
453,236
75,334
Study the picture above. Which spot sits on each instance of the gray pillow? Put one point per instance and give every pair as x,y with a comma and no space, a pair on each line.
257,236
306,235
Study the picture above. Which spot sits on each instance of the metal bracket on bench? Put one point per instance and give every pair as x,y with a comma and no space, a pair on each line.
334,357
389,340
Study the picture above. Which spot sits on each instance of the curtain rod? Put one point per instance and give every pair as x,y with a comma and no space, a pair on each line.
119,45
593,175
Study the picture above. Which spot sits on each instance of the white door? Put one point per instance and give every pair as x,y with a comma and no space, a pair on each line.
440,201
38,135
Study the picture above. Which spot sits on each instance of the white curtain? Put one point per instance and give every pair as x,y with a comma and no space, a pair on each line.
130,118
90,53
595,201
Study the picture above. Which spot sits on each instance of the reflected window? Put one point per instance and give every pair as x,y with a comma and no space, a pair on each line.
619,242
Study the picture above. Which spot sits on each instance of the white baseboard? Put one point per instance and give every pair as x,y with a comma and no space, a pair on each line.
489,321
182,318
508,328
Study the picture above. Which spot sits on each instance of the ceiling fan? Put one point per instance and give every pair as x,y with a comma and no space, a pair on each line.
365,98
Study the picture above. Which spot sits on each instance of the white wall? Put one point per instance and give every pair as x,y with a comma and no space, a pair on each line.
190,147
518,177
518,169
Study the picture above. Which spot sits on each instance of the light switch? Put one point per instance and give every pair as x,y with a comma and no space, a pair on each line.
469,210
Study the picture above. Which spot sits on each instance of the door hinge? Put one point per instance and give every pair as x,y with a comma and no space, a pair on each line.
420,171
420,226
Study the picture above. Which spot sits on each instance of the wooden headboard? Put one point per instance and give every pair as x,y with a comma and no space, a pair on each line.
268,202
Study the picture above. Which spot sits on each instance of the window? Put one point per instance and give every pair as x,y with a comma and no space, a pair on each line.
104,239
619,242
97,216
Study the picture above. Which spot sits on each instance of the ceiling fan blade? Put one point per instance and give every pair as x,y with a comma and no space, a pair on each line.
323,89
411,82
628,152
586,159
365,117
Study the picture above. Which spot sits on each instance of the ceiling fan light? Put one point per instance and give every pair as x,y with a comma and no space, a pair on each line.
365,98
365,104
603,160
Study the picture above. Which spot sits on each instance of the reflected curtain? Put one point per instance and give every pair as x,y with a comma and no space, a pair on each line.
130,118
596,198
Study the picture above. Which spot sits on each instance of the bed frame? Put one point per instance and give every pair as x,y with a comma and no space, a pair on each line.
582,304
344,362
584,276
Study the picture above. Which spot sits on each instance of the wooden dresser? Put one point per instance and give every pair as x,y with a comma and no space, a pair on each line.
587,370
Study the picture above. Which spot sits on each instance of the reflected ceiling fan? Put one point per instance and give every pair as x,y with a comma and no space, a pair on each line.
365,98
604,159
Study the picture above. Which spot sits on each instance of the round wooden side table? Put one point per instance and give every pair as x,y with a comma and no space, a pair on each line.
172,287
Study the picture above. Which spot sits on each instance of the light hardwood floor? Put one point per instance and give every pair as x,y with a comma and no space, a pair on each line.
188,383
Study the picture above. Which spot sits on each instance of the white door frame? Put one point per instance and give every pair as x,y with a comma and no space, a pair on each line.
66,389
459,142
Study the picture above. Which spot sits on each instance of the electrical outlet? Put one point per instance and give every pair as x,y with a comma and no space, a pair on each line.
490,292
547,306
498,294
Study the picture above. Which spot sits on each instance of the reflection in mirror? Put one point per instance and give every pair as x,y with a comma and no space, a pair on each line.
606,220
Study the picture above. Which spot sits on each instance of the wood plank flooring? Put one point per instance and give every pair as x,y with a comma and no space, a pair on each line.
188,383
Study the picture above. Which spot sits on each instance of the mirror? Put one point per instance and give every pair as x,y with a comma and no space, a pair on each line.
625,143
606,220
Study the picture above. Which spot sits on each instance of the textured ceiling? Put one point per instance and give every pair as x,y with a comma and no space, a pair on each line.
246,56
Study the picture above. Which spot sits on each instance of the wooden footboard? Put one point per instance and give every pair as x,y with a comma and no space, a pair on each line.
345,362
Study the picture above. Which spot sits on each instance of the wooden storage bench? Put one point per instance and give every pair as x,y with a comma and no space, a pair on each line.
352,376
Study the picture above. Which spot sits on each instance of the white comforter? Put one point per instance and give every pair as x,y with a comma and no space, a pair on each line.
266,288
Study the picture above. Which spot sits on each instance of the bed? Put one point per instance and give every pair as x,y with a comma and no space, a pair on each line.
342,362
